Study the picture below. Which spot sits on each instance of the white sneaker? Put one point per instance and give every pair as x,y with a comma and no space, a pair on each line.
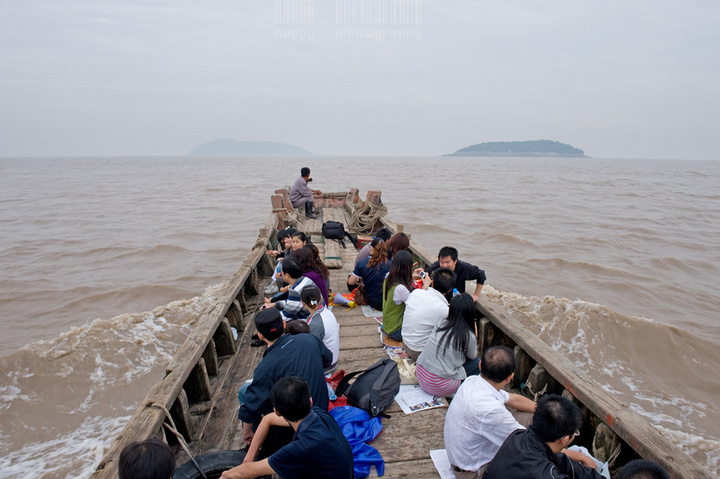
271,288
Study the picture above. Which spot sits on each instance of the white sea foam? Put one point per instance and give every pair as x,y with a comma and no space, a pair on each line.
705,451
73,456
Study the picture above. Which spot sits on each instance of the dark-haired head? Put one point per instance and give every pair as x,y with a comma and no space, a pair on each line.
148,459
398,242
297,326
459,324
309,260
292,267
497,363
378,254
383,233
299,239
400,272
443,280
311,296
290,396
304,171
643,469
556,417
448,252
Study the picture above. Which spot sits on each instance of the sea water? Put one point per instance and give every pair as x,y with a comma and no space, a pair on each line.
105,264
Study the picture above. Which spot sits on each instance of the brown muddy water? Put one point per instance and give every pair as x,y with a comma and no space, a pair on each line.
105,263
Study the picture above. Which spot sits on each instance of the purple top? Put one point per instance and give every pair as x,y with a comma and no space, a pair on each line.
320,282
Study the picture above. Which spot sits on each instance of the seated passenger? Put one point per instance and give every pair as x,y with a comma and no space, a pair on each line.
425,308
322,322
318,449
478,421
364,253
398,242
284,250
148,459
302,195
396,289
299,355
292,306
372,272
314,269
536,452
642,469
448,258
450,353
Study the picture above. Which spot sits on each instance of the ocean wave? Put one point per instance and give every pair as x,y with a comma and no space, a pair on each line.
73,455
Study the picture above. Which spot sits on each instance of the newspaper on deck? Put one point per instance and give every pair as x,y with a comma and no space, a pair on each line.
412,398
442,463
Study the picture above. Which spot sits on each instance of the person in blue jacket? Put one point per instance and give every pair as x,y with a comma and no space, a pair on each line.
301,355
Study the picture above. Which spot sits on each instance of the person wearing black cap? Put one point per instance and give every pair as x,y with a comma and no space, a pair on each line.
301,355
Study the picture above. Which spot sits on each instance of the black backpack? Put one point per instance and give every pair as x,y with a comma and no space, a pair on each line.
335,230
375,388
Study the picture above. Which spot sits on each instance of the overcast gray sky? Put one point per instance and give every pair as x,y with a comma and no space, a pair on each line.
619,79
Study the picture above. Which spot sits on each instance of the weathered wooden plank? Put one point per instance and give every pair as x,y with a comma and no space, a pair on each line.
346,319
411,446
332,257
360,342
366,329
416,469
647,441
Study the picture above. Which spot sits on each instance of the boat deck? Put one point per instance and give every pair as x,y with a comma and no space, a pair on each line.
406,440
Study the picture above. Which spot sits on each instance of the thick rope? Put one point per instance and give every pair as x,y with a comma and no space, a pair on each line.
611,460
173,429
536,394
365,216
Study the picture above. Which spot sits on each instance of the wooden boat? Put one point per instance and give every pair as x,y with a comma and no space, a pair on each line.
198,395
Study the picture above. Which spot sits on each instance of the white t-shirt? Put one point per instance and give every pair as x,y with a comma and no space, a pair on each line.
325,327
424,308
477,423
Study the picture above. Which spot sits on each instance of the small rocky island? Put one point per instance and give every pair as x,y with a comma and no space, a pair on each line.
227,147
542,148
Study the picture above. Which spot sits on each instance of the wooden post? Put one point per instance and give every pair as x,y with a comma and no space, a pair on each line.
224,340
180,412
483,327
266,266
235,316
251,285
210,357
240,298
197,385
374,197
523,365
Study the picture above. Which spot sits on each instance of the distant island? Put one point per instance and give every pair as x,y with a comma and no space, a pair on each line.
226,147
521,148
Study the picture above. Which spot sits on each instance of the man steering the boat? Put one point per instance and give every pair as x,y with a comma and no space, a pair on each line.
448,258
301,194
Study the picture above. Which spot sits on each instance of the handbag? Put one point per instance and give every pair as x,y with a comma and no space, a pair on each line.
406,369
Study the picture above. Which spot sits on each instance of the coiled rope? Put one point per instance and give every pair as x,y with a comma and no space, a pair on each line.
365,216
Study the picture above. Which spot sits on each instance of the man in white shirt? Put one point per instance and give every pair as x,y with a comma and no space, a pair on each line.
478,421
424,308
